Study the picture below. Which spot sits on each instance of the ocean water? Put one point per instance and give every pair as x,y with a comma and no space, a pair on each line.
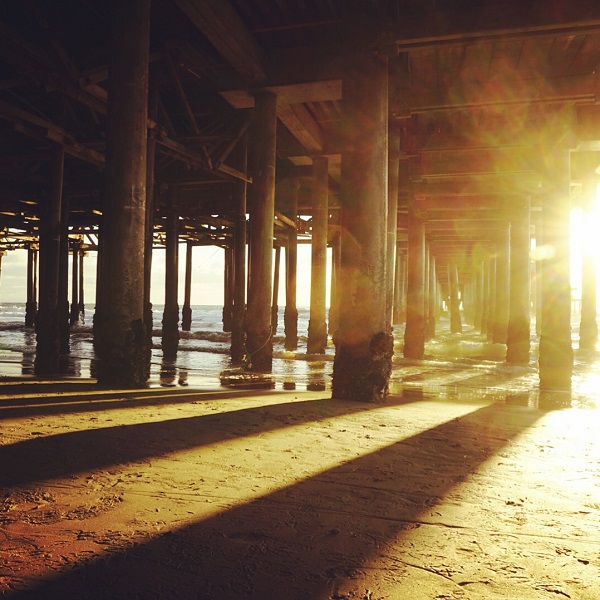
202,361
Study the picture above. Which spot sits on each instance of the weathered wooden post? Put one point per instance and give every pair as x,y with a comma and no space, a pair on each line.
74,315
455,316
588,328
333,316
121,343
47,319
392,223
153,98
499,333
80,295
364,344
290,315
262,213
414,333
170,320
556,352
228,282
400,286
519,317
186,311
238,344
317,325
432,304
275,301
491,302
31,302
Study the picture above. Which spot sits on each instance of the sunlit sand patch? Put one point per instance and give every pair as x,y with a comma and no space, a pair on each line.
522,524
150,497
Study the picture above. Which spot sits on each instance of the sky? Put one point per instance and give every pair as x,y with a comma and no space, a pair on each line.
207,276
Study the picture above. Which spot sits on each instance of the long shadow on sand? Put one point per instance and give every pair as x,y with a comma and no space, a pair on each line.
91,399
302,541
60,455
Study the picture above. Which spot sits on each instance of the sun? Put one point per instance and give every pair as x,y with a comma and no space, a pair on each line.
585,242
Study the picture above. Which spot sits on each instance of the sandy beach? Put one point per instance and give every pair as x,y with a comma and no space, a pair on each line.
451,490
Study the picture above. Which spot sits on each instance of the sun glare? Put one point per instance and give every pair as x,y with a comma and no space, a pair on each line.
584,242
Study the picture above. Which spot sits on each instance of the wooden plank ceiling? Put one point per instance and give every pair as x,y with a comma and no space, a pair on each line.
477,89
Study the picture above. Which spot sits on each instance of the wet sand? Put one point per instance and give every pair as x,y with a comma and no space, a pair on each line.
460,487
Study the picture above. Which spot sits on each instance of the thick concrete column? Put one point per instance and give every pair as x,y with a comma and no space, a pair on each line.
499,333
170,320
186,311
262,213
364,344
290,315
478,295
121,343
556,352
275,301
588,329
317,326
519,316
238,339
392,223
414,333
31,302
47,319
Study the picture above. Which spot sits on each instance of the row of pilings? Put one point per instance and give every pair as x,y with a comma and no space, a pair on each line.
364,262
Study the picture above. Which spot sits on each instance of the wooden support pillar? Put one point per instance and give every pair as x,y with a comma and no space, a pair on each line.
186,311
2,254
153,99
485,294
170,320
519,318
414,334
400,287
317,326
31,302
74,316
228,279
275,301
556,352
262,213
426,289
588,329
432,296
364,344
80,295
455,316
47,319
336,254
499,334
238,341
491,303
63,284
478,295
290,316
392,223
121,333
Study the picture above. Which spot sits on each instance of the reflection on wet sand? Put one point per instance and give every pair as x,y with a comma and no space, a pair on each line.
463,367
